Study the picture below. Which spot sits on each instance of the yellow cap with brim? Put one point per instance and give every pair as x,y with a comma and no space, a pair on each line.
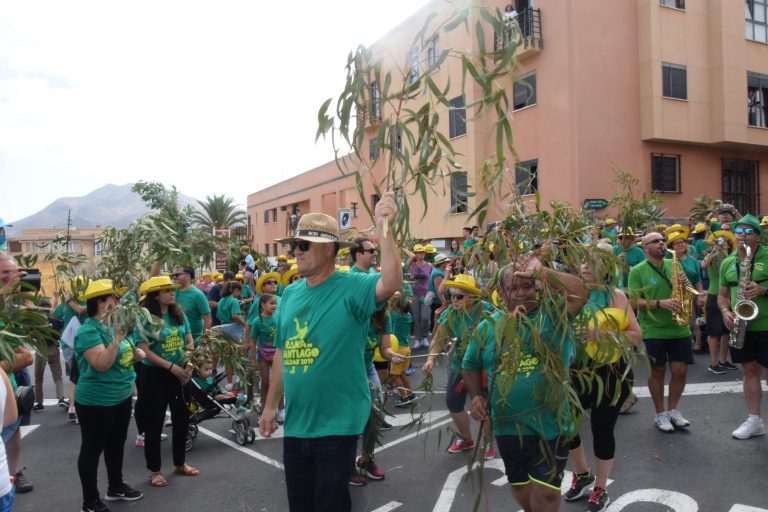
157,283
269,275
699,228
675,228
239,277
419,248
99,288
674,237
288,275
430,249
723,234
463,282
764,221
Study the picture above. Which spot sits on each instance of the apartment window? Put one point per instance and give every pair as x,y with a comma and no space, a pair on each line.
756,24
274,214
274,248
433,52
527,177
266,249
457,118
665,173
266,216
375,200
373,149
413,58
674,81
677,4
459,192
97,249
757,99
375,102
741,185
14,246
524,91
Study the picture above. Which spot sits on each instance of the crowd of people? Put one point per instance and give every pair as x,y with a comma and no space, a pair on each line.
349,315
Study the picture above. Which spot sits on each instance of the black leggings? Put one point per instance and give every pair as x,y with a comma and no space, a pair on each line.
102,429
605,413
160,389
138,408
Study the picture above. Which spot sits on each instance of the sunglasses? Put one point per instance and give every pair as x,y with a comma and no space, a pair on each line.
270,281
746,231
369,251
458,296
303,245
177,274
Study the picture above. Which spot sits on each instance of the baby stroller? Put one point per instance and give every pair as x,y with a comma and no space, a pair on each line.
204,407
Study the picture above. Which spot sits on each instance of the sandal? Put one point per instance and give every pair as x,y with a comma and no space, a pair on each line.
186,469
156,479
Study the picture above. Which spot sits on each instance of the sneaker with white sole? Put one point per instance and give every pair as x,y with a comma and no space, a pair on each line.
677,419
140,440
663,423
751,427
598,500
123,493
580,485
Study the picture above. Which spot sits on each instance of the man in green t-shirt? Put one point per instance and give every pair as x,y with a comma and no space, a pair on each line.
753,354
321,327
530,414
650,289
194,302
629,254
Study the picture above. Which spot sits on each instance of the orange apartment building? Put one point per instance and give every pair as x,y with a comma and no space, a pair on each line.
675,91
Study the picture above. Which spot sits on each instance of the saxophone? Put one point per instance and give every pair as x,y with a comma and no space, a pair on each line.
682,293
745,310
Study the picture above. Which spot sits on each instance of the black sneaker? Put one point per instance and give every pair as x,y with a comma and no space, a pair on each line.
124,493
63,403
579,485
38,407
598,500
95,506
717,369
384,426
22,483
728,366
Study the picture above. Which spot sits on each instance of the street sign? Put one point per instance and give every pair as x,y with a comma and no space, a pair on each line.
595,204
221,261
345,219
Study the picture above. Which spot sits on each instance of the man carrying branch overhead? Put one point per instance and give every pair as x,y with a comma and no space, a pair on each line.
531,417
319,362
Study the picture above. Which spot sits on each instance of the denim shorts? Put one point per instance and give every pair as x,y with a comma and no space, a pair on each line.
10,429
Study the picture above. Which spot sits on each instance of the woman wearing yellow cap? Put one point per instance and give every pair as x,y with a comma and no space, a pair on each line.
164,381
105,360
722,244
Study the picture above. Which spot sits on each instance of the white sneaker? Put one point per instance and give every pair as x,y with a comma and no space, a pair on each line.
416,344
677,419
281,417
749,428
163,436
663,423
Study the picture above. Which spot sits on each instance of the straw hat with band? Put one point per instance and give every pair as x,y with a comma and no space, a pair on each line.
675,228
99,288
206,274
626,233
239,277
419,248
609,221
269,275
288,275
463,282
430,249
660,227
218,276
157,283
749,220
699,228
440,259
282,257
317,228
674,237
723,234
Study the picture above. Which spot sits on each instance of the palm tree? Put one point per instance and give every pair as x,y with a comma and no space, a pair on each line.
219,212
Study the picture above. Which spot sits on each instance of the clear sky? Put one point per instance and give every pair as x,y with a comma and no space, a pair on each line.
213,97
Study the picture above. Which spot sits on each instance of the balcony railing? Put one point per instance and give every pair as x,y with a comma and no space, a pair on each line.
529,21
242,233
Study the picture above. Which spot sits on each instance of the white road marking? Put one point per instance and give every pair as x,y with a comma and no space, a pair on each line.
242,449
448,494
411,435
746,508
28,429
676,501
392,505
701,388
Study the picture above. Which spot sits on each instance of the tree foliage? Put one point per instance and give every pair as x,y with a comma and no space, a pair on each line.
219,212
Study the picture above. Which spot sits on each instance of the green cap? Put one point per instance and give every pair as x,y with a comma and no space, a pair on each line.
750,220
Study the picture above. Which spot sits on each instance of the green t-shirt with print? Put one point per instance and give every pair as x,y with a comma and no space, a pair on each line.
195,305
651,282
729,277
373,340
263,329
633,256
462,326
170,343
228,306
522,404
401,326
321,331
109,387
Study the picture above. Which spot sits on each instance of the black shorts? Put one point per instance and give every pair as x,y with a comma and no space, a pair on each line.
755,349
381,365
74,373
531,458
715,325
660,352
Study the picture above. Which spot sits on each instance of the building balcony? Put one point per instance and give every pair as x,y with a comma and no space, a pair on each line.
528,24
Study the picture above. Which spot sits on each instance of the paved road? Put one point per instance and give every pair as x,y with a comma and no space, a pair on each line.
701,469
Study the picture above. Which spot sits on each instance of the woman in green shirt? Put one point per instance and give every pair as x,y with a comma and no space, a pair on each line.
105,360
165,384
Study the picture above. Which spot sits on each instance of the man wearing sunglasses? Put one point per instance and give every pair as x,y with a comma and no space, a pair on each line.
193,301
319,360
753,356
650,290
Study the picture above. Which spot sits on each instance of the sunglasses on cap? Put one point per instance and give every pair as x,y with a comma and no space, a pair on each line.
746,231
303,245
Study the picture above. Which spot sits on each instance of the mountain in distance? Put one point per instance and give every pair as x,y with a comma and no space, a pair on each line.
110,205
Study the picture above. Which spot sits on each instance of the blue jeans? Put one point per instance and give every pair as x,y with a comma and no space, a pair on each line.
317,473
6,502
